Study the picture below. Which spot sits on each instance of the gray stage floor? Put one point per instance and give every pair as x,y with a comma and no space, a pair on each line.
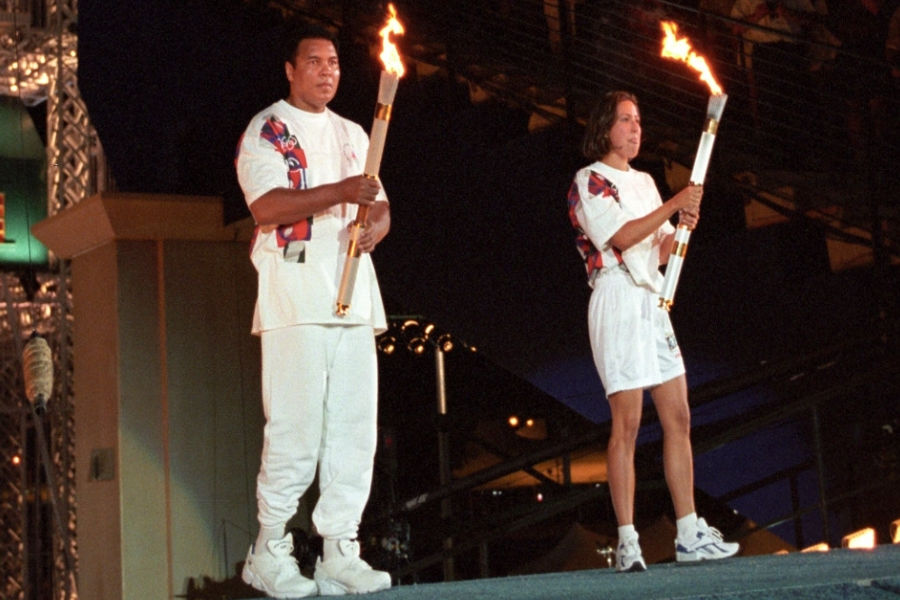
850,574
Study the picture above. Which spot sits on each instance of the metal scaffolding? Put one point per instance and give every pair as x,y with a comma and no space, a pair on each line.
35,555
38,558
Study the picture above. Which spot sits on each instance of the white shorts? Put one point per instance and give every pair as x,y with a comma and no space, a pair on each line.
632,339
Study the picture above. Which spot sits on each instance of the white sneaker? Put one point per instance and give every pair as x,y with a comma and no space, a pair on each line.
348,573
275,571
629,558
708,544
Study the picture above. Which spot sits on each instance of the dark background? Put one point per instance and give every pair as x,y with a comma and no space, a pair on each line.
480,240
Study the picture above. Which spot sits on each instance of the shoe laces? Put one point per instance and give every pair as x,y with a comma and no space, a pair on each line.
629,547
282,547
282,551
712,532
349,556
348,548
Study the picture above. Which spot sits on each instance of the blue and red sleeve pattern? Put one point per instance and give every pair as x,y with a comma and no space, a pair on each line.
276,133
597,186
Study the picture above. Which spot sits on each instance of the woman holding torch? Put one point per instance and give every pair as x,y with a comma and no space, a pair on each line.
624,235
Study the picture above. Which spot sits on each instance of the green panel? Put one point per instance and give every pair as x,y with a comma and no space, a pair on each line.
18,136
23,185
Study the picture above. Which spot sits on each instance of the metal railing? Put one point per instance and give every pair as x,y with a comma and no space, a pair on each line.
837,372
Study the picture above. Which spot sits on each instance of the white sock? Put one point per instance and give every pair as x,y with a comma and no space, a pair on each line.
627,532
266,534
687,526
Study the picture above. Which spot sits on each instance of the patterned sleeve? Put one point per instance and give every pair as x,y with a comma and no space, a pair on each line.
597,210
260,165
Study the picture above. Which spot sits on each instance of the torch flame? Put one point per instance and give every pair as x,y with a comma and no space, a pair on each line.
389,55
680,49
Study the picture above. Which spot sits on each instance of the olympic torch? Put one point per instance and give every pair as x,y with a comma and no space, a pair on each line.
680,49
387,89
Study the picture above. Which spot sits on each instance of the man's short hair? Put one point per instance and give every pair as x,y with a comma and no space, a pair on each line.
303,30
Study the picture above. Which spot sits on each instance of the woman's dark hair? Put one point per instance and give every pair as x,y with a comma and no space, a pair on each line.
595,144
298,31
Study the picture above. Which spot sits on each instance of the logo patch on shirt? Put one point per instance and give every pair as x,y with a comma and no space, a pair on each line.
295,252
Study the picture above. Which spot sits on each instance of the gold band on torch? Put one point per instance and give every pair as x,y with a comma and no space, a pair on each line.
387,89
715,108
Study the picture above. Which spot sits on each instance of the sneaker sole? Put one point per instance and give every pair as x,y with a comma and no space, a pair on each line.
695,557
330,587
251,579
636,567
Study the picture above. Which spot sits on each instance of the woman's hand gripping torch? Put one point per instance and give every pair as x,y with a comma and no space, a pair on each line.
387,89
680,49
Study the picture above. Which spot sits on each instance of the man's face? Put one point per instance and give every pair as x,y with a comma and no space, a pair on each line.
314,75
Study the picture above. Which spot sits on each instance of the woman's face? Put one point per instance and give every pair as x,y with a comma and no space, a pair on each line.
625,133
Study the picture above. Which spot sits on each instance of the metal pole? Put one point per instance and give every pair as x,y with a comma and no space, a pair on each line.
795,511
820,472
444,458
484,569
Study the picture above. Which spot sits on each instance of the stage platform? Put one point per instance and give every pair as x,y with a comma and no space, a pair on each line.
837,574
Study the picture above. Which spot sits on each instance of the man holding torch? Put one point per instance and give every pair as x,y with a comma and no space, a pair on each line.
624,235
300,166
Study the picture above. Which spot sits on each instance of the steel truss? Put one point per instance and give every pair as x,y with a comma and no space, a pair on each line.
38,62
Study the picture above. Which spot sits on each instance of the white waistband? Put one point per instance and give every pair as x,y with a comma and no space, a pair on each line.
617,268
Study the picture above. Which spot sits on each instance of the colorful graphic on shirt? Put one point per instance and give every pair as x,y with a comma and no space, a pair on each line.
598,185
276,133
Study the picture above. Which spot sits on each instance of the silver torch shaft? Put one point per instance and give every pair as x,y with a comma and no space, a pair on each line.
714,110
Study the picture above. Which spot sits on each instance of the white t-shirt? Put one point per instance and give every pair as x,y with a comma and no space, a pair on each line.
601,215
300,265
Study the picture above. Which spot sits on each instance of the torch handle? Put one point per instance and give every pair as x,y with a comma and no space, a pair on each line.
351,264
673,267
386,90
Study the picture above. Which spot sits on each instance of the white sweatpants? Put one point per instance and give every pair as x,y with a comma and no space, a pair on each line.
319,392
